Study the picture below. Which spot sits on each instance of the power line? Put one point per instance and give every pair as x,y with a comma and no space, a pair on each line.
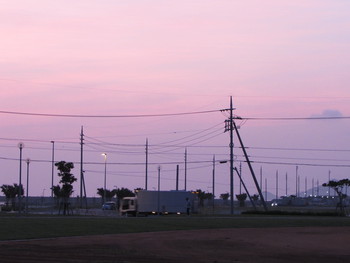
291,118
105,116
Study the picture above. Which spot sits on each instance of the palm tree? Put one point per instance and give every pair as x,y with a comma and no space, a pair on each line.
241,198
338,186
64,191
109,194
202,195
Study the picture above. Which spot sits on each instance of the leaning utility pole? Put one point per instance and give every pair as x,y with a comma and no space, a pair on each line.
250,166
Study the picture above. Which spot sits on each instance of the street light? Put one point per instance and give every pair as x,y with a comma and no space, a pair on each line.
27,196
20,146
105,177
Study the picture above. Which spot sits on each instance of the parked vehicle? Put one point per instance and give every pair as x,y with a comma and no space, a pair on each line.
109,206
157,202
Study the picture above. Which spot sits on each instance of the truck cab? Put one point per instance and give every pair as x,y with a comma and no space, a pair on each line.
128,206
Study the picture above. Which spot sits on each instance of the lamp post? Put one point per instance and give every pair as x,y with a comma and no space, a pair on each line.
20,146
105,177
27,195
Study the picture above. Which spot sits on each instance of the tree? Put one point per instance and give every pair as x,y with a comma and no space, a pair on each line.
64,191
124,192
338,187
241,198
255,198
225,197
11,192
202,195
108,194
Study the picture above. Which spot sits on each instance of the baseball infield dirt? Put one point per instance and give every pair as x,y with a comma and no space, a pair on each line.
295,244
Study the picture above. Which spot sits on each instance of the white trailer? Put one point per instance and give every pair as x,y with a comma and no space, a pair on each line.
157,202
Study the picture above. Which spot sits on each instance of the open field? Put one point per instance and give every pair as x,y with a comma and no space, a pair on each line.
175,239
23,227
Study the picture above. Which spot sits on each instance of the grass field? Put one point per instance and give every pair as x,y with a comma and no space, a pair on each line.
15,227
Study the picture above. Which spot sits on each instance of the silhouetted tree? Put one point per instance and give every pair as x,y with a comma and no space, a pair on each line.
241,198
225,197
109,194
64,191
338,187
202,195
11,192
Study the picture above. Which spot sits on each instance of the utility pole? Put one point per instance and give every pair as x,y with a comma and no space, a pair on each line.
27,194
240,181
277,184
82,183
52,166
250,166
158,190
261,173
329,179
286,184
296,181
146,182
213,182
177,177
265,188
20,146
185,169
229,127
305,186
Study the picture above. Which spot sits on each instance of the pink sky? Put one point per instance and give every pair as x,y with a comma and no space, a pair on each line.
277,58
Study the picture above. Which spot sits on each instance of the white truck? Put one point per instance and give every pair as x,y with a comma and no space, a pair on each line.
157,202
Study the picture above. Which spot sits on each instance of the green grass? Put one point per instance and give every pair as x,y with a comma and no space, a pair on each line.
16,227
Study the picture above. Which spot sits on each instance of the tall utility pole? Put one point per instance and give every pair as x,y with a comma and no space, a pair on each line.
105,177
20,146
146,182
265,188
52,166
186,169
305,186
261,173
296,181
329,188
231,156
213,182
177,177
158,201
286,184
27,192
240,181
82,182
277,184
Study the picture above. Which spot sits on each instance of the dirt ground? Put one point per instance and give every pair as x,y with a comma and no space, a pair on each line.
295,244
